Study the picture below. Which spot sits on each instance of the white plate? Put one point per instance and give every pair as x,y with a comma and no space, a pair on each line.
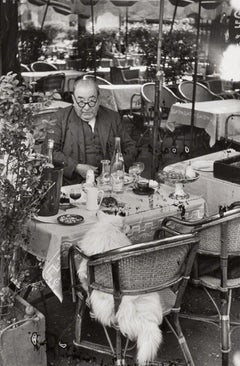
203,165
47,219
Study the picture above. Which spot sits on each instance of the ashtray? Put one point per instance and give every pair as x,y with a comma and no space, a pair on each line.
143,192
70,219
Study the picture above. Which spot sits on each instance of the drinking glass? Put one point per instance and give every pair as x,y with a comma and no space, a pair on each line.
75,193
138,168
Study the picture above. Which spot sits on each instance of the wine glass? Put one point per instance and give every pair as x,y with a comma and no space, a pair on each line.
138,167
75,194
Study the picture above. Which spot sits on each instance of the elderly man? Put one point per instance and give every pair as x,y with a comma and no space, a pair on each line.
84,134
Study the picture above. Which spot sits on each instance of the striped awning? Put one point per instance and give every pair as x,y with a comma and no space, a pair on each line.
60,6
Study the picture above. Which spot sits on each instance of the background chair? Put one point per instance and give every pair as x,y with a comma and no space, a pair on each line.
202,92
167,99
219,238
43,66
232,134
24,67
216,87
124,75
51,83
161,265
98,79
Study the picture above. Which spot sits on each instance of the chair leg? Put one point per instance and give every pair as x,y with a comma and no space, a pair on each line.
225,326
174,324
120,361
81,305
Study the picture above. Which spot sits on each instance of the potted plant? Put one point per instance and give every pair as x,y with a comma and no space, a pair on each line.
20,195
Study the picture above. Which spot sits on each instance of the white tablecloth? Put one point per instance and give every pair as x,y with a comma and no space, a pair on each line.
143,216
214,191
208,115
118,97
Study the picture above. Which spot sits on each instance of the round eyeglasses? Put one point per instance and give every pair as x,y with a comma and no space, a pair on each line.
91,102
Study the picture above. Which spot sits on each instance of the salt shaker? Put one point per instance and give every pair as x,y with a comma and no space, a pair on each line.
90,178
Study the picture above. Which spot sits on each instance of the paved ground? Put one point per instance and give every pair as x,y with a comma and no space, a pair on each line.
203,339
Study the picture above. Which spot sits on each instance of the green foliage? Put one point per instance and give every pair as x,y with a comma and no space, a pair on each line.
177,49
20,172
30,44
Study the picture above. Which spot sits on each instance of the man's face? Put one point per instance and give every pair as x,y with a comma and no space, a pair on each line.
86,102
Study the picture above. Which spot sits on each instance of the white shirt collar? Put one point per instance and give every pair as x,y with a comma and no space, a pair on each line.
92,123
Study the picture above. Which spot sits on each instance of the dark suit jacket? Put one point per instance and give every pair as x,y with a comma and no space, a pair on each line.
69,146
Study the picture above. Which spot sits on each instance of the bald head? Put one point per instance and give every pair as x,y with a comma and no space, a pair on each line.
85,98
88,84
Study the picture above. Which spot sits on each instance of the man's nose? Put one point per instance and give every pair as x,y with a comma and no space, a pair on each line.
86,107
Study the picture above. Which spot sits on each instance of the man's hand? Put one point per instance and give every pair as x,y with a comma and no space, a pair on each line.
82,169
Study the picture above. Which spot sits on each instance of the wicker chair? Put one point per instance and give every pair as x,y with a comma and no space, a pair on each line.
167,99
203,94
43,66
219,238
161,265
124,75
98,79
232,138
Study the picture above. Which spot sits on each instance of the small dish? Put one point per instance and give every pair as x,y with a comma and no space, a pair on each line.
70,219
145,192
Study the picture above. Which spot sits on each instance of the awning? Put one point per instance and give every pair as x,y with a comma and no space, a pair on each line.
60,6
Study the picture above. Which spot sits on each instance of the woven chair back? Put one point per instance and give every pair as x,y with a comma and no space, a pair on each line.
223,232
202,92
142,268
43,66
167,98
98,79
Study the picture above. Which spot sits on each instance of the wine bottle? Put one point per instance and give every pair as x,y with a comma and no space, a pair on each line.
50,144
117,167
117,161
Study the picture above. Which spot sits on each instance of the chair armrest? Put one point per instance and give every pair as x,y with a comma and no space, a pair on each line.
227,123
137,96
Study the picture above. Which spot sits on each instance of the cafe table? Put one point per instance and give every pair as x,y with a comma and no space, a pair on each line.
117,97
50,240
210,115
213,190
31,76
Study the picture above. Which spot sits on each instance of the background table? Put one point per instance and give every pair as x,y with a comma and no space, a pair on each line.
143,217
31,76
118,97
211,116
214,191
